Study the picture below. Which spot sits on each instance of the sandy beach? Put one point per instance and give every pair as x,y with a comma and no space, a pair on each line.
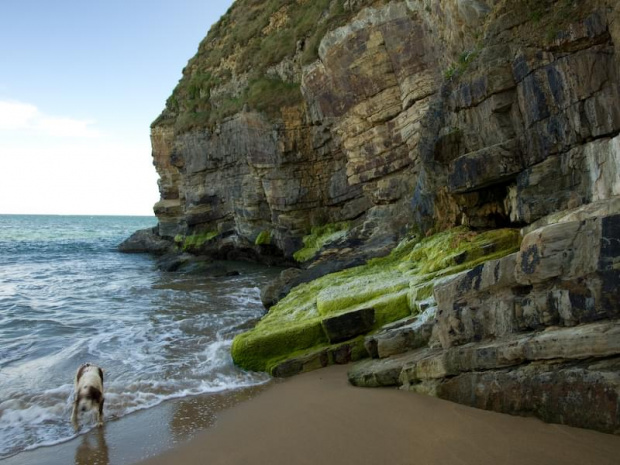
319,418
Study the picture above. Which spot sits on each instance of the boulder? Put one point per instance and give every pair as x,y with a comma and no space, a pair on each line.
146,241
380,372
279,287
349,325
394,339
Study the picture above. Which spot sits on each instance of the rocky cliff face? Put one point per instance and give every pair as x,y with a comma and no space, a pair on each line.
375,122
306,163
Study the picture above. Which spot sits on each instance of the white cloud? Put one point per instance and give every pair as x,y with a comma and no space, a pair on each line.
16,115
25,117
77,177
53,165
67,127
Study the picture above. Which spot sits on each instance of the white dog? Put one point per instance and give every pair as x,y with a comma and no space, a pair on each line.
88,393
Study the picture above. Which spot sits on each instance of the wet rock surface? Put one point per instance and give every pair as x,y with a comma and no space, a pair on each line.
146,241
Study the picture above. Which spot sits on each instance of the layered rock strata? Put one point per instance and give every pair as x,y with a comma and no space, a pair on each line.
536,332
384,129
416,114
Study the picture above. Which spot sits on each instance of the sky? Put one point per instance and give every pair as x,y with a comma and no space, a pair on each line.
80,84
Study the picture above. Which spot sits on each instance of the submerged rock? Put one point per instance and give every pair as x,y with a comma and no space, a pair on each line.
190,264
173,261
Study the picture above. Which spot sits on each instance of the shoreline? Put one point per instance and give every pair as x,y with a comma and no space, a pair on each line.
142,434
319,417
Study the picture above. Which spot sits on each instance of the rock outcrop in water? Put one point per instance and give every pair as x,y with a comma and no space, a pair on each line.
457,163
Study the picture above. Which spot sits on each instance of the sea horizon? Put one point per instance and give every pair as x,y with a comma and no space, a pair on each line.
112,215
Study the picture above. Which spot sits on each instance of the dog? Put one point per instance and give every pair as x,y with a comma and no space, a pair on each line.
88,393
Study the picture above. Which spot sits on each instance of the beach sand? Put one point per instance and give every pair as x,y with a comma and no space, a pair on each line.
318,418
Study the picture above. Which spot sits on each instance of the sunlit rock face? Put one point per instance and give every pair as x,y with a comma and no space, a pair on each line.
414,114
341,151
329,132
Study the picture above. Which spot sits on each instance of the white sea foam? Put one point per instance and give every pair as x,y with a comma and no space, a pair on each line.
25,425
157,336
40,417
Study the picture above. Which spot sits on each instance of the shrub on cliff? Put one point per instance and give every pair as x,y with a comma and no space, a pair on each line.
235,57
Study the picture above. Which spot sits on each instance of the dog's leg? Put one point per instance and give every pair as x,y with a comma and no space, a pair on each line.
74,415
100,413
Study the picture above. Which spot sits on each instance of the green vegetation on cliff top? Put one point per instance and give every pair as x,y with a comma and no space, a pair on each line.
392,285
250,38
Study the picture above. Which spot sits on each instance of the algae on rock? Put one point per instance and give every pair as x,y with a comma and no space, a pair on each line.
390,285
319,237
264,238
194,242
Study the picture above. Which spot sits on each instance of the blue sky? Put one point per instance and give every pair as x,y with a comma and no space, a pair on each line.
80,83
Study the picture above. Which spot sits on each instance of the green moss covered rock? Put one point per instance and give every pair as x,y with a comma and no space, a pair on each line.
264,238
193,243
390,285
319,237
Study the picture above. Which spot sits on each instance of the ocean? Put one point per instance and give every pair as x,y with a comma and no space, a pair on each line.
67,297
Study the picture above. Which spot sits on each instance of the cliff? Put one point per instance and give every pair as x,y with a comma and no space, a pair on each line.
457,163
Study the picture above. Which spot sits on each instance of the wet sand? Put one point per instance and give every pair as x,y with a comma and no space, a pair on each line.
140,435
319,418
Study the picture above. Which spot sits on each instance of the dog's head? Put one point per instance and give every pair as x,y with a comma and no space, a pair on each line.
89,398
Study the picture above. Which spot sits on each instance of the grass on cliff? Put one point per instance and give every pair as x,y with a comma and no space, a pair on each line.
251,37
463,62
392,285
267,95
269,31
